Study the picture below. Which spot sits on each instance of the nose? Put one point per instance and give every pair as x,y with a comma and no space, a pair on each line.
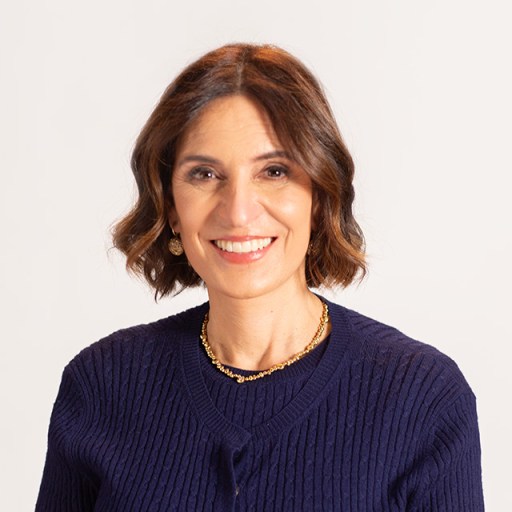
240,203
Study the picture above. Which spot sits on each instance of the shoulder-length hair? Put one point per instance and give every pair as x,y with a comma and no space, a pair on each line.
305,126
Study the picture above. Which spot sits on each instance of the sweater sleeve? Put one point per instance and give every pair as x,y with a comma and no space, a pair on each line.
66,485
450,473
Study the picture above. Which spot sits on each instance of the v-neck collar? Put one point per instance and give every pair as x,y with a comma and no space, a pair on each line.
312,392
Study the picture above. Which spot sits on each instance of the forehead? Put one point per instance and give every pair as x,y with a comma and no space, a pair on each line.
228,122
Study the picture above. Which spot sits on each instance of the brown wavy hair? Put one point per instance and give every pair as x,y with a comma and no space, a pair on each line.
305,126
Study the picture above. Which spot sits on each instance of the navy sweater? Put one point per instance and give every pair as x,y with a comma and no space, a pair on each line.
369,421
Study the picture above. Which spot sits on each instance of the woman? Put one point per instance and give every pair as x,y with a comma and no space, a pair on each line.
245,185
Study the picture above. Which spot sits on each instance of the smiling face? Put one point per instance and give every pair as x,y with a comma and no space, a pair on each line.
241,205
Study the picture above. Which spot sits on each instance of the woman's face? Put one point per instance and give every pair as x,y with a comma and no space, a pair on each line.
242,206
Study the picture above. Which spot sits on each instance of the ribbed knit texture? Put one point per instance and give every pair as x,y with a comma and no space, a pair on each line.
369,421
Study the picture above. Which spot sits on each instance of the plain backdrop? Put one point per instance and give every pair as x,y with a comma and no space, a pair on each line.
421,91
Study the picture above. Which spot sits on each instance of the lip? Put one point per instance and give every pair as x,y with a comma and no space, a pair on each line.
241,258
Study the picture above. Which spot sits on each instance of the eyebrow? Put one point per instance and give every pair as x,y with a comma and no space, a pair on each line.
278,153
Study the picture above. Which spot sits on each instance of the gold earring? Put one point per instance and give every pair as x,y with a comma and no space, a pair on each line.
175,245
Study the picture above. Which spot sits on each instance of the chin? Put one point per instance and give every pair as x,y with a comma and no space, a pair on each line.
240,293
250,287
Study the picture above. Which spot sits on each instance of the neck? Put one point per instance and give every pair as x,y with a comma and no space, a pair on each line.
256,333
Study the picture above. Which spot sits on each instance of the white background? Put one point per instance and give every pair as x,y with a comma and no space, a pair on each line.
422,93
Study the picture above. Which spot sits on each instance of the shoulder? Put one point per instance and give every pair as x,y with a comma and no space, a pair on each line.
143,342
399,359
422,404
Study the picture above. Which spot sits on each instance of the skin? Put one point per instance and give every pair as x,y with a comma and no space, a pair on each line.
233,182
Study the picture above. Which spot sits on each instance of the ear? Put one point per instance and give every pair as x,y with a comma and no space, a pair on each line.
172,218
172,214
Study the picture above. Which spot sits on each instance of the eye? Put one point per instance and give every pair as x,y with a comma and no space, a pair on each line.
277,171
201,173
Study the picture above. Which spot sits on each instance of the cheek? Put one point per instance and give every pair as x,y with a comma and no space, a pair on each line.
192,217
298,211
180,215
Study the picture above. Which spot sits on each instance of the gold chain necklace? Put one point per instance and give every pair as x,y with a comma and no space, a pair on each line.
279,366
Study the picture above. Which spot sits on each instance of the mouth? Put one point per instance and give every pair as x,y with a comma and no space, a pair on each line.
243,247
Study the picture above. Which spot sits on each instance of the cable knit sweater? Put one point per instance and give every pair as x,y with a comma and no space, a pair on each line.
371,420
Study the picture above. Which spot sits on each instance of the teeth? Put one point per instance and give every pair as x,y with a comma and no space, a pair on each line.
243,247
